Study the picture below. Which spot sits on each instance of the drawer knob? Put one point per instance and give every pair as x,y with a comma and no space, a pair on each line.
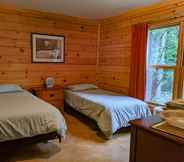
51,95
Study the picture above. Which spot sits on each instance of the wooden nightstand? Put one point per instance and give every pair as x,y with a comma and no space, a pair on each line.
54,96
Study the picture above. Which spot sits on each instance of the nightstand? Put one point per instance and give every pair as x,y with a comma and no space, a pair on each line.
54,96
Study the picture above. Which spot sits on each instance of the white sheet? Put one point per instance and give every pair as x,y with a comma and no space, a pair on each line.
110,110
24,115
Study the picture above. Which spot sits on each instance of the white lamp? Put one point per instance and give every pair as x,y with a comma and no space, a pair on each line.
49,82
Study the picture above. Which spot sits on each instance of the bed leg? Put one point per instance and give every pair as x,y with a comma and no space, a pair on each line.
59,138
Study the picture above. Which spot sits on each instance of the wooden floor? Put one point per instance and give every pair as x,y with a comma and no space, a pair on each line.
82,144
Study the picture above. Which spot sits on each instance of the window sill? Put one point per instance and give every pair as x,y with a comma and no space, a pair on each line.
155,104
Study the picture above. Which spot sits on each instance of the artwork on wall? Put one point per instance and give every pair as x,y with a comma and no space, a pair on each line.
47,48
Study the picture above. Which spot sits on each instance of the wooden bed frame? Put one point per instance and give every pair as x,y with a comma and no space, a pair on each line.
6,145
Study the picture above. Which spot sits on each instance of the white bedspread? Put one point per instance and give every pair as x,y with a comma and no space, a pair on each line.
110,110
24,115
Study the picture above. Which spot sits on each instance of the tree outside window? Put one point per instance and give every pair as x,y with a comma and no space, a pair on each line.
161,63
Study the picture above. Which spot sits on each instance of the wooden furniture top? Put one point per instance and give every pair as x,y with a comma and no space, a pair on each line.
43,88
147,124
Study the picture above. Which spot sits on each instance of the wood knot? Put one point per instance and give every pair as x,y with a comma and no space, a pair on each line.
21,50
82,28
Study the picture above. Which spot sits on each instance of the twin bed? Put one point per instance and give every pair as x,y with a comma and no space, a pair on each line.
111,111
24,116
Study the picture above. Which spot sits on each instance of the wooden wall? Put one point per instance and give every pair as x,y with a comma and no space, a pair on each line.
15,48
115,42
91,54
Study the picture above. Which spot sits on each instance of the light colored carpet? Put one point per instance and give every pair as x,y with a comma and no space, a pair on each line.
82,144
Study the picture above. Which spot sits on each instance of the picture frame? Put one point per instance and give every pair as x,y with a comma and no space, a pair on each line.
47,48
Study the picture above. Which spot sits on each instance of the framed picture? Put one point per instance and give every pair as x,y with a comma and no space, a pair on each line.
47,48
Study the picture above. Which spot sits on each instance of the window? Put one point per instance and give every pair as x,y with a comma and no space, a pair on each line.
161,64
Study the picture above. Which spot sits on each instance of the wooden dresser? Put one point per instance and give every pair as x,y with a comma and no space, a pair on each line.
151,145
54,96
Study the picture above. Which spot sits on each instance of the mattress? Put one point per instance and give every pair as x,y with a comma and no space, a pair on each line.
110,110
24,115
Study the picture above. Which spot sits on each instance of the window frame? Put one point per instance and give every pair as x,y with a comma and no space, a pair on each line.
178,68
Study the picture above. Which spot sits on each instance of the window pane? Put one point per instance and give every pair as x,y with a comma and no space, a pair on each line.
159,85
163,46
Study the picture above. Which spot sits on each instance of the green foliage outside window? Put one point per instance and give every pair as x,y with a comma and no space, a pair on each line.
162,51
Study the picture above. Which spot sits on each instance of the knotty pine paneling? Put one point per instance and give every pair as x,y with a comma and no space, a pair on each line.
16,65
93,52
115,42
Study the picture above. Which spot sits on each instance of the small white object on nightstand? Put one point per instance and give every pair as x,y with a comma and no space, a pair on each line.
158,109
49,82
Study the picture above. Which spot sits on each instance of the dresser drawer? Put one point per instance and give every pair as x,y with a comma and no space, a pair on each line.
57,103
54,96
50,95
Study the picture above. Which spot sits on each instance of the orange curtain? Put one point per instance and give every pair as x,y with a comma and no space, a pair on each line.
138,61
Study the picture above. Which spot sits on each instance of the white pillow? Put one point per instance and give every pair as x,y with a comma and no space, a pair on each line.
81,87
4,88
